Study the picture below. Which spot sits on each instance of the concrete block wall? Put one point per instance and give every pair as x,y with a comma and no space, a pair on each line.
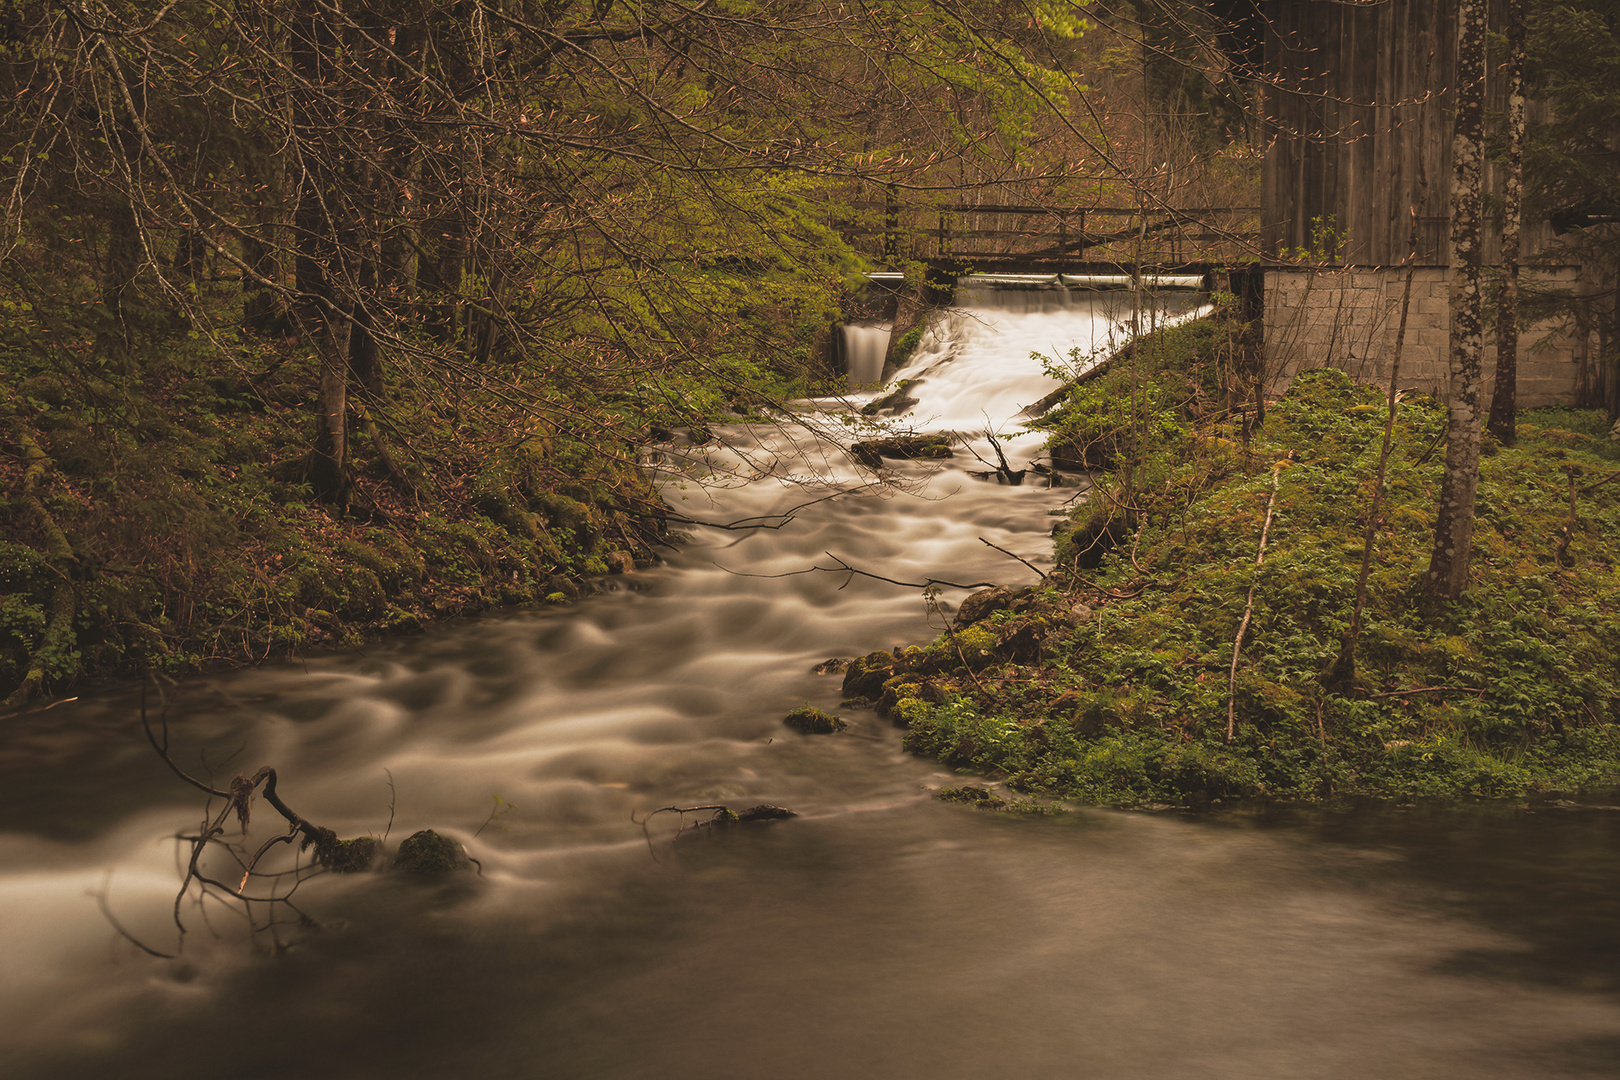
1349,317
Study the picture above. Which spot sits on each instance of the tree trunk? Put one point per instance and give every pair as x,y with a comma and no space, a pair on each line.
326,305
1454,528
1504,396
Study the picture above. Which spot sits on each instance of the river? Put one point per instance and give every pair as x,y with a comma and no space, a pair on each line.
880,933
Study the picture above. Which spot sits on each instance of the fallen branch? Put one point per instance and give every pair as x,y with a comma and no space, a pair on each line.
844,567
1429,690
1010,555
764,521
202,882
721,815
1248,610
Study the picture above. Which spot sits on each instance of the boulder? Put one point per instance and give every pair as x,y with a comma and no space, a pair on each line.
982,605
865,676
428,853
930,447
813,721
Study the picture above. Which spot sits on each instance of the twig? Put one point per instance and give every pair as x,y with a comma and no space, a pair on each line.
1428,690
786,516
956,644
392,798
682,810
844,567
106,911
1010,555
1248,610
163,747
1589,487
1110,593
1136,543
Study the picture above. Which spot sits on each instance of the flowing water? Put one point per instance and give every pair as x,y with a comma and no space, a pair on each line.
880,933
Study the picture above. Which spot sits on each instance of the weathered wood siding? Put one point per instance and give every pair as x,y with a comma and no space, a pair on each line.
1354,109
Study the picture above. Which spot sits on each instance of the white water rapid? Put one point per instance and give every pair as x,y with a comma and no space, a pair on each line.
880,934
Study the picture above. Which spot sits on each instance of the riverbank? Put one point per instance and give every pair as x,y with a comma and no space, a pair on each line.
1115,681
160,514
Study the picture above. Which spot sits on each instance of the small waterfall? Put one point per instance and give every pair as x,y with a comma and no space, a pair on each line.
985,360
864,346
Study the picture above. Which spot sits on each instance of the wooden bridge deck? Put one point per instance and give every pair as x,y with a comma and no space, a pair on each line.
1002,237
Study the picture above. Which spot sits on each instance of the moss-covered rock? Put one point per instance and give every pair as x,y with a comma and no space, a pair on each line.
930,447
865,676
428,853
351,856
810,720
974,795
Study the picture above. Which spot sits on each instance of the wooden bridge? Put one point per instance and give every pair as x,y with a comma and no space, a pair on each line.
994,238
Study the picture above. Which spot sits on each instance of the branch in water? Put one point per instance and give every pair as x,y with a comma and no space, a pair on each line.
1010,555
106,911
844,568
758,521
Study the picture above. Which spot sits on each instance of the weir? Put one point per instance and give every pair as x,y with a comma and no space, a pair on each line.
1091,297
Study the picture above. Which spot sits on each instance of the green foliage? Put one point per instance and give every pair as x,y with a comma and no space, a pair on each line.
907,345
1144,398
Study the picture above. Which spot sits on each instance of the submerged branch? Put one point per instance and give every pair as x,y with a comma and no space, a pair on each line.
844,568
1010,555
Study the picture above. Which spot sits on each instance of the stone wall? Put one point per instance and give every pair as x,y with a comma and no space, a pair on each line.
1348,317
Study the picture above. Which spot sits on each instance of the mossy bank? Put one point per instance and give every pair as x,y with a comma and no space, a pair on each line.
1113,682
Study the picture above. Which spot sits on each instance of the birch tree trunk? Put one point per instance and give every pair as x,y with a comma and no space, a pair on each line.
1454,526
1504,395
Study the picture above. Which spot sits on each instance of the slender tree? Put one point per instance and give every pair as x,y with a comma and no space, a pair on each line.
1504,394
1454,527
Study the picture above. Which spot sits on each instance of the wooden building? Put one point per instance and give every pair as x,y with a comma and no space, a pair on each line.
1359,100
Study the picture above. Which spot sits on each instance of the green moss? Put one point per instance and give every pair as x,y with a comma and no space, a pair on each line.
907,344
350,856
810,720
428,853
981,798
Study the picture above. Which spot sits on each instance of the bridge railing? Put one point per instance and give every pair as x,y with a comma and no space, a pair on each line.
1050,237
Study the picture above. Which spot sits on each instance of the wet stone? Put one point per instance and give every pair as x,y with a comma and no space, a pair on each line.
813,721
427,852
926,447
974,795
864,678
